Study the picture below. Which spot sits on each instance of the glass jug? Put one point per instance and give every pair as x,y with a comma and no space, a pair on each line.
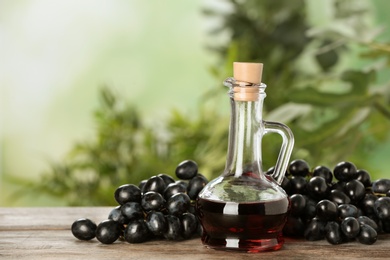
245,209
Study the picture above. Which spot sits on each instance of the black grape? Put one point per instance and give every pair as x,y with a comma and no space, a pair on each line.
154,183
367,235
186,170
299,168
84,229
127,193
189,225
350,227
333,233
174,230
108,231
136,232
345,171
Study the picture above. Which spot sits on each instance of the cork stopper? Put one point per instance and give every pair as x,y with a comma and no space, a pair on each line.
248,72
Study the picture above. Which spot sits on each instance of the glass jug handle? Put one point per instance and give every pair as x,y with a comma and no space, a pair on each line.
286,149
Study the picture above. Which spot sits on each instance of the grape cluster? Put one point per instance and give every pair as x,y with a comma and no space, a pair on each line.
158,207
340,206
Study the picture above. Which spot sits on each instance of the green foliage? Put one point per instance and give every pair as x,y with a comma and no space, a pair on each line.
334,108
125,150
337,111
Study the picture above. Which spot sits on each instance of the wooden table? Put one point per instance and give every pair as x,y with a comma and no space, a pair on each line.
44,233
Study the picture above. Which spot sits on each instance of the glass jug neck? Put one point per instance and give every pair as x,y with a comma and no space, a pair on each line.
245,91
246,129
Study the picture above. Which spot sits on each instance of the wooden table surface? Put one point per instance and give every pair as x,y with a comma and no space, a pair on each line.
44,233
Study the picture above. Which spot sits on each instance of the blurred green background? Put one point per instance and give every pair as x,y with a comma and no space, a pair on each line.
95,94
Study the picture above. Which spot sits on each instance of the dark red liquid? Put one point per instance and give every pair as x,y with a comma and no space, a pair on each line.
251,227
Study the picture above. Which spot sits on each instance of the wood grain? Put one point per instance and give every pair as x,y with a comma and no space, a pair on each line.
44,233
